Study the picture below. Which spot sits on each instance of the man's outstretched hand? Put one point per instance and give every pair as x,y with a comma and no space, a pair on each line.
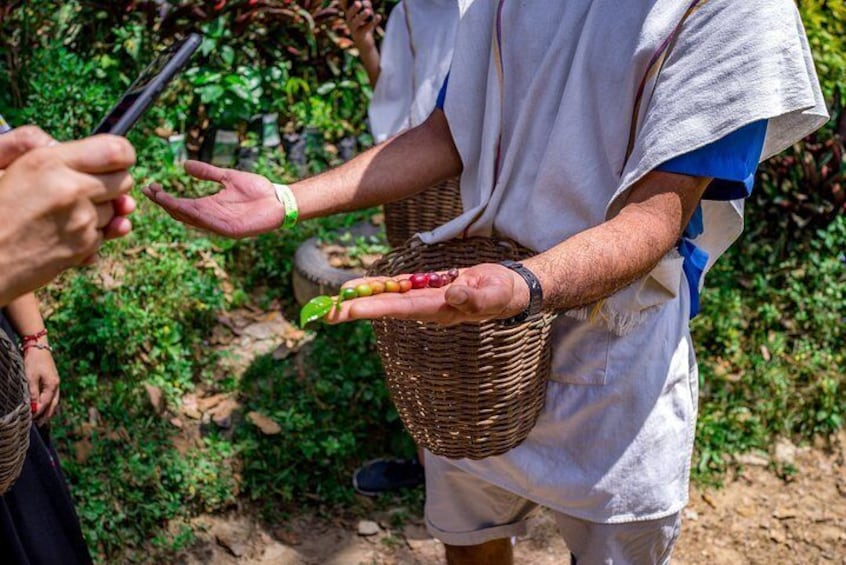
483,292
245,207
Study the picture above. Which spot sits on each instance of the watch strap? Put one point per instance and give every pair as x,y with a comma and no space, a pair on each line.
535,293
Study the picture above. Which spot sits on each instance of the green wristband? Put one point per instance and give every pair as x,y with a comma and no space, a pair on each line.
286,197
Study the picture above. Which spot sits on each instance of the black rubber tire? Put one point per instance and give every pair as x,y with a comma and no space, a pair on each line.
312,275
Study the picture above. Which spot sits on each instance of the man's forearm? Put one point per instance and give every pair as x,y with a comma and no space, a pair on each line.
600,261
396,169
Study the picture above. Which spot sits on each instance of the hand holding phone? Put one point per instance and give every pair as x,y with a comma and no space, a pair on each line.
147,87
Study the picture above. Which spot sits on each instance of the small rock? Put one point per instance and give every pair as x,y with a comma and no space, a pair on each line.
709,500
156,397
209,402
267,426
368,528
229,539
752,460
690,514
286,536
777,536
784,452
277,553
784,514
222,413
745,510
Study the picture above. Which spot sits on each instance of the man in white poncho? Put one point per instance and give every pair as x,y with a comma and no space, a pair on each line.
617,140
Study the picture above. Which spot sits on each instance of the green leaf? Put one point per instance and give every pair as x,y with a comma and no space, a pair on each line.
315,309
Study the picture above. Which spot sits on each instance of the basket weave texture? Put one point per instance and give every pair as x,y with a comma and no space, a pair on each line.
425,211
472,390
15,413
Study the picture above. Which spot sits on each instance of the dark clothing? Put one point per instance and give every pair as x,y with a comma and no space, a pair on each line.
38,523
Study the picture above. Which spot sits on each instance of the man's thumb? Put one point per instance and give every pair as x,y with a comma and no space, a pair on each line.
456,296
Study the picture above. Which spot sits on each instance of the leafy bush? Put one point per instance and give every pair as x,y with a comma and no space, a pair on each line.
774,362
825,22
334,412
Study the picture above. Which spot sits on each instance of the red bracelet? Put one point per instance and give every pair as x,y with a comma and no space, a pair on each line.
42,346
33,337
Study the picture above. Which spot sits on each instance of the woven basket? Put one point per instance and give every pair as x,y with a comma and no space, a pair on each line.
15,414
472,390
425,211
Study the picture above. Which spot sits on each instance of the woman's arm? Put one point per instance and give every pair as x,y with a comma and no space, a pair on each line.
362,22
24,315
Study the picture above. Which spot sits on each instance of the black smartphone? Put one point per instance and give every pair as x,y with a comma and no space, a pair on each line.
148,85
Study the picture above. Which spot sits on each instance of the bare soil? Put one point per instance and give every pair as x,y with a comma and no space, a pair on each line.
757,517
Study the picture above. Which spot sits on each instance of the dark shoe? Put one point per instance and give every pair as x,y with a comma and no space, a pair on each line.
386,475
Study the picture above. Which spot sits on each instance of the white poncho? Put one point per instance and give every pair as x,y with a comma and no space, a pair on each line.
614,441
415,57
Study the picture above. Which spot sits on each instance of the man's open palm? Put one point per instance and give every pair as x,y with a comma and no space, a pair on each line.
247,205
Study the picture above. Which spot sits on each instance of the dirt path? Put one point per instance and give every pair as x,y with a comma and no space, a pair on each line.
756,518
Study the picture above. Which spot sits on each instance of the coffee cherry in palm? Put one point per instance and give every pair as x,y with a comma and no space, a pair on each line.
392,286
419,280
452,274
436,280
363,290
348,293
378,287
405,285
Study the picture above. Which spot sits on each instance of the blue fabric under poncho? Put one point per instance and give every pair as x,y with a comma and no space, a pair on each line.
731,162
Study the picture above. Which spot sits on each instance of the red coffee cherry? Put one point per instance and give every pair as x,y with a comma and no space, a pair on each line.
436,280
419,280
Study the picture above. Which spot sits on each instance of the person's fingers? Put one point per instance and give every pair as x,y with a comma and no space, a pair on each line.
189,211
49,390
425,305
152,190
351,11
362,17
97,155
118,227
51,410
87,246
171,204
110,186
124,205
205,171
371,25
20,141
105,213
34,388
90,260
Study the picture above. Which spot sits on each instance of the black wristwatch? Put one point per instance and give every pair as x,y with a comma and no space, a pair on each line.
535,293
